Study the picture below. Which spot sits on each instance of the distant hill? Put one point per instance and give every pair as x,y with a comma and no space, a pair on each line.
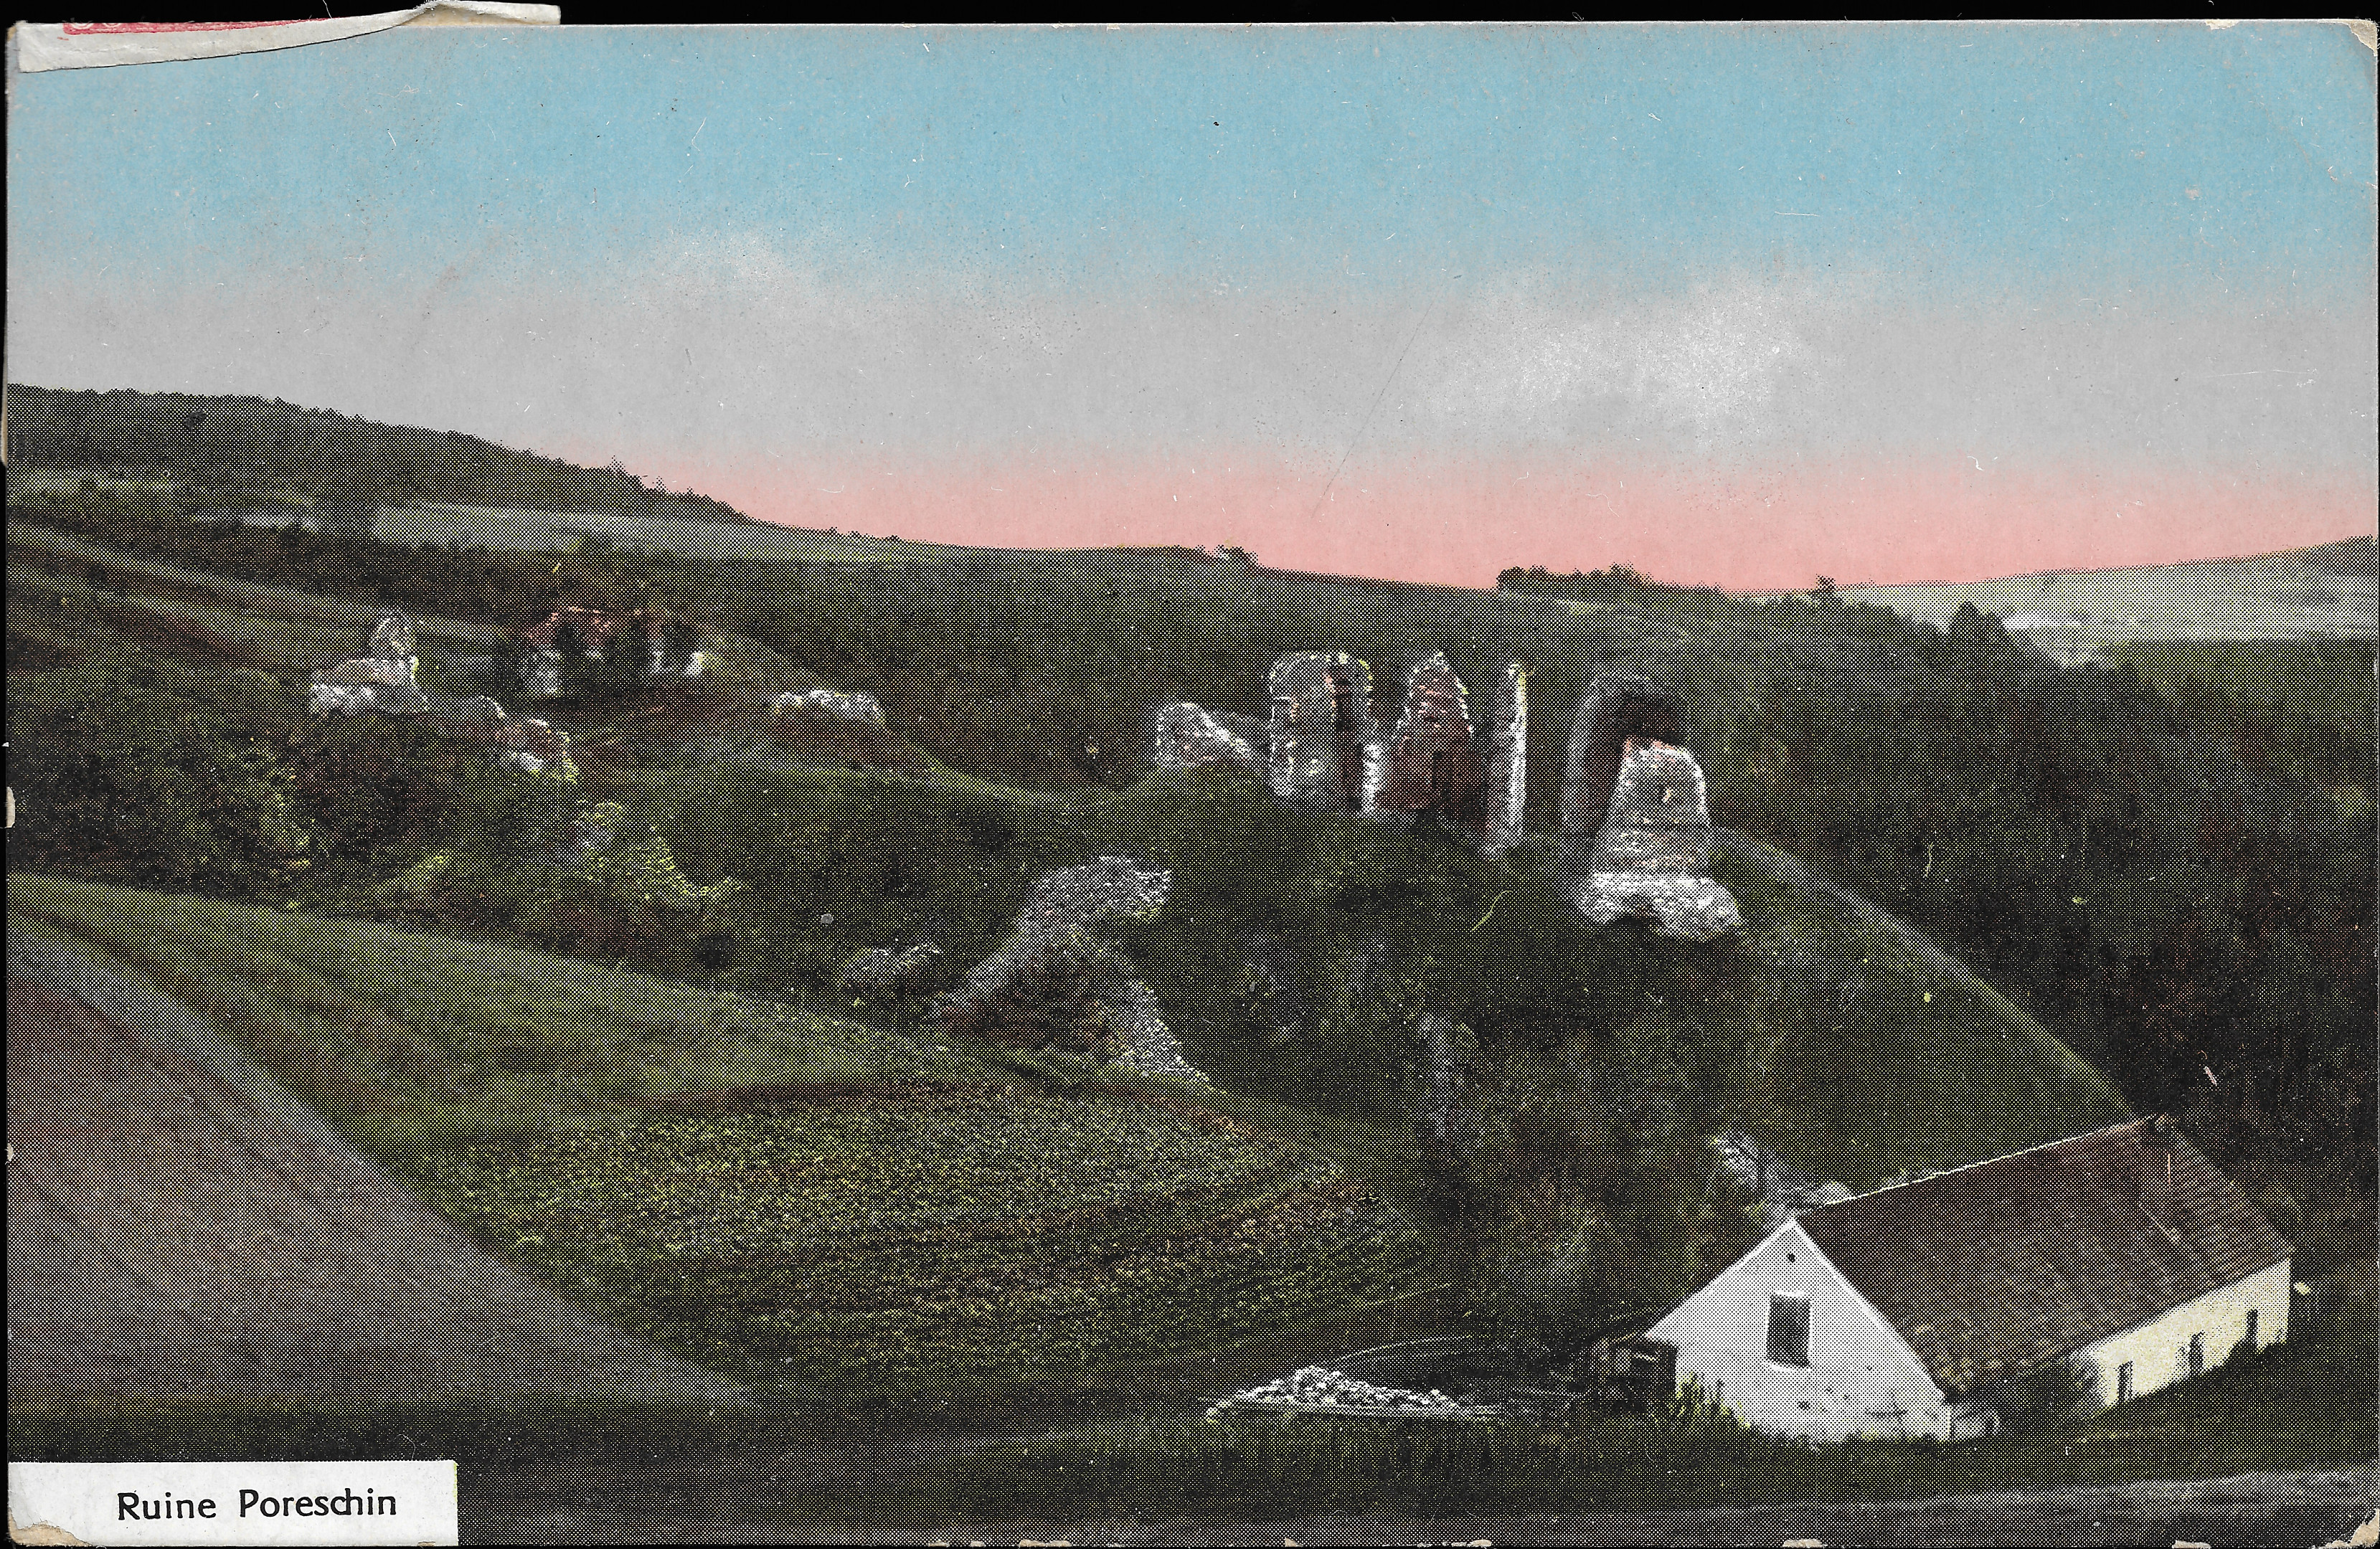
241,451
2331,591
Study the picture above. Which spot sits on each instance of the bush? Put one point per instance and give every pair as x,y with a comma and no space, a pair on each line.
116,778
374,783
2047,1395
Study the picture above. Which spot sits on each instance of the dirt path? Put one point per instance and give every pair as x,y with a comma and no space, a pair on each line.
181,1228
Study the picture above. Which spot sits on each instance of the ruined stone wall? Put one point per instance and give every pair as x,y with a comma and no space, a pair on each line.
1617,706
1321,724
1651,855
1508,763
669,644
1432,766
1658,819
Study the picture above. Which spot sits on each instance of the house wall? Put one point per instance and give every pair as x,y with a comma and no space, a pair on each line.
1863,1378
2159,1349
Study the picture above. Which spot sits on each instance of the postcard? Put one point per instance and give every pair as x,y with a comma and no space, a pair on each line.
1582,783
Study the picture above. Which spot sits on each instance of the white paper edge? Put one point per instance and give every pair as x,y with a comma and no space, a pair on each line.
47,45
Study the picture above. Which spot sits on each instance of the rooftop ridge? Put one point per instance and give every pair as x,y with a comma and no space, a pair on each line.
2137,1123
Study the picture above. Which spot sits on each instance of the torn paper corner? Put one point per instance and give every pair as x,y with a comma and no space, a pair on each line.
74,46
40,1532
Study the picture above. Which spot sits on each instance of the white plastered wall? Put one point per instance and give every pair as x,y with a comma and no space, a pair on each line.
1863,1378
2159,1349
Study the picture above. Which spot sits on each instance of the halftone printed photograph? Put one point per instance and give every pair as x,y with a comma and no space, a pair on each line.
1571,783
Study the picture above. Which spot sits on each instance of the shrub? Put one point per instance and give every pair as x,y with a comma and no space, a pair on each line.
116,778
376,782
2047,1395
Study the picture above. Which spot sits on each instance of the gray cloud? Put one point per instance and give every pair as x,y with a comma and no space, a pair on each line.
728,348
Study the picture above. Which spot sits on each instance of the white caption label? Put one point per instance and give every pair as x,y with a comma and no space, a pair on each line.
235,1503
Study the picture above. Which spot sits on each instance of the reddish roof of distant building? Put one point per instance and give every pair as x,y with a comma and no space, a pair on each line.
593,624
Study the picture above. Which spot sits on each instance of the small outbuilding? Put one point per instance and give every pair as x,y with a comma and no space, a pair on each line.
1908,1310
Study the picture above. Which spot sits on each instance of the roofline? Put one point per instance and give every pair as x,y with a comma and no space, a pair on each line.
1969,1167
2087,1134
1917,1361
1739,1262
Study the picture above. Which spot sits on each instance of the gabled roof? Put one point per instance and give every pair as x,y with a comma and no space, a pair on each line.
1998,1267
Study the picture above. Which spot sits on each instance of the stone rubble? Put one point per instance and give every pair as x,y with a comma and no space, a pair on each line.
861,706
380,680
1784,1190
1688,908
1320,1387
1149,1048
1185,736
883,968
1051,959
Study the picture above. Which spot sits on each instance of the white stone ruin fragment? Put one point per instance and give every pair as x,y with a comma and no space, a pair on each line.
861,706
1652,852
1189,736
382,679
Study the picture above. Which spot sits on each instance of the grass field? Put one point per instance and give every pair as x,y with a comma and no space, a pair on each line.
2307,1403
1889,1055
2298,1405
883,1216
2311,593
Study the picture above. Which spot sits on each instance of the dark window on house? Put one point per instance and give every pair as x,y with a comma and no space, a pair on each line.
2124,1382
2251,1328
2197,1354
1788,1330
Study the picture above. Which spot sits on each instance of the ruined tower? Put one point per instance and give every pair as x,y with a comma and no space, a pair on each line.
1321,726
1432,766
1617,706
1508,763
1636,832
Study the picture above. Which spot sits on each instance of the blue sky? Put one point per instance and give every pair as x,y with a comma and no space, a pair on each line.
1960,160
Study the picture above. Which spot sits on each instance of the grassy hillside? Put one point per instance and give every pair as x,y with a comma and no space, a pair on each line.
775,1190
2118,869
2331,591
204,450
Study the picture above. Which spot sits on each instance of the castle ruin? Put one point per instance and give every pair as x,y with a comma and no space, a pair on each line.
1635,835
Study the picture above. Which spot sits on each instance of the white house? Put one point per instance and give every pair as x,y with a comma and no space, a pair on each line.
1897,1313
